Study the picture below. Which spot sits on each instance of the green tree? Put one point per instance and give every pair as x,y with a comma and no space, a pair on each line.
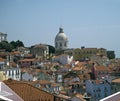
51,49
7,46
16,44
19,43
111,54
10,46
13,43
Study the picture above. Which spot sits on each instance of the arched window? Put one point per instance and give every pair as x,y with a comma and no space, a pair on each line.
60,44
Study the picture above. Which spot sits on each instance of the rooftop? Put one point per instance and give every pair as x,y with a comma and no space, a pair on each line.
28,92
113,97
116,80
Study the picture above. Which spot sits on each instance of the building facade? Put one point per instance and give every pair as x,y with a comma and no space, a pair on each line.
63,59
98,89
3,37
40,51
86,53
13,73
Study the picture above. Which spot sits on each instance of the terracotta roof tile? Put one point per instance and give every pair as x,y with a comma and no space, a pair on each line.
102,68
13,64
54,84
1,59
28,92
27,60
85,76
14,53
63,96
31,71
80,97
76,69
42,82
97,81
116,80
80,64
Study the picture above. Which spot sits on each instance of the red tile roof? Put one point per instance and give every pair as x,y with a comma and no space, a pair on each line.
1,59
42,82
102,68
14,53
13,64
27,60
28,92
80,97
84,76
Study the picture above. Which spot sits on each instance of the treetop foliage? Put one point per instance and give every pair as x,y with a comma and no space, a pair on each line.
9,46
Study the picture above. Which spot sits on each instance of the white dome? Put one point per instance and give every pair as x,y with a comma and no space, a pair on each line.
61,36
61,40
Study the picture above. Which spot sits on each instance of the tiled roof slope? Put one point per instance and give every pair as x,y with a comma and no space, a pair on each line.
7,94
28,92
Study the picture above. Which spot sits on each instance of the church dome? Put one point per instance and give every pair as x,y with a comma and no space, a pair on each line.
61,36
61,40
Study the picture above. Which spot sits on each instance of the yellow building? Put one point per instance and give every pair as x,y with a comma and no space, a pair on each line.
2,76
86,53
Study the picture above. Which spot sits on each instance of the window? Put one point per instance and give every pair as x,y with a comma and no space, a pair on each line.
105,94
99,90
59,78
60,44
112,87
65,44
9,73
105,89
95,95
99,95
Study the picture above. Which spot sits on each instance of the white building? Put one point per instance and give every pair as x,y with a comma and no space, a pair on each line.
40,51
63,59
13,73
61,40
3,37
2,63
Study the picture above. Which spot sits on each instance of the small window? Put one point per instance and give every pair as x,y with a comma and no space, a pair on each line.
9,73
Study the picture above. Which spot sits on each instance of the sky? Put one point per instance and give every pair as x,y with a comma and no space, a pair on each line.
89,23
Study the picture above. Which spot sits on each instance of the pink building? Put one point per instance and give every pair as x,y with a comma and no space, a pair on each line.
100,71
